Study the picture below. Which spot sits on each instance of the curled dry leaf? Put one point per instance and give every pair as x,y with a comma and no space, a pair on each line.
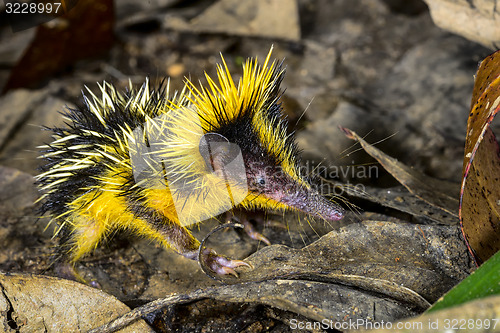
400,199
436,192
410,256
374,269
480,192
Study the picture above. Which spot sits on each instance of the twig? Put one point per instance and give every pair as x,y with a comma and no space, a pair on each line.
137,313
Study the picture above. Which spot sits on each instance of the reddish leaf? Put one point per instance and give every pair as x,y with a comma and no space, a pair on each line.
480,193
84,31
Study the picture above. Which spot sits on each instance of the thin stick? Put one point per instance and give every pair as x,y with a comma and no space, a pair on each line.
137,313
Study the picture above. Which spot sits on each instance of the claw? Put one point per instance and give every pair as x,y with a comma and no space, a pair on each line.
244,219
220,264
252,233
275,224
258,236
226,271
223,261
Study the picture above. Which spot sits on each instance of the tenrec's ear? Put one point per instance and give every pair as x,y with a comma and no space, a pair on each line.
215,150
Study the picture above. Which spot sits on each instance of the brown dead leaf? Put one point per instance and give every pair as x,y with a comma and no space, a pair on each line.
31,303
480,192
436,192
407,255
373,269
400,199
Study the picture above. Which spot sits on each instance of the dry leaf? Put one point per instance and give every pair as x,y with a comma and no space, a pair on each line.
373,269
436,192
31,303
84,31
480,193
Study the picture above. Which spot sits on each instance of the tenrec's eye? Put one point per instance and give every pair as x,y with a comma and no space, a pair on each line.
261,181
